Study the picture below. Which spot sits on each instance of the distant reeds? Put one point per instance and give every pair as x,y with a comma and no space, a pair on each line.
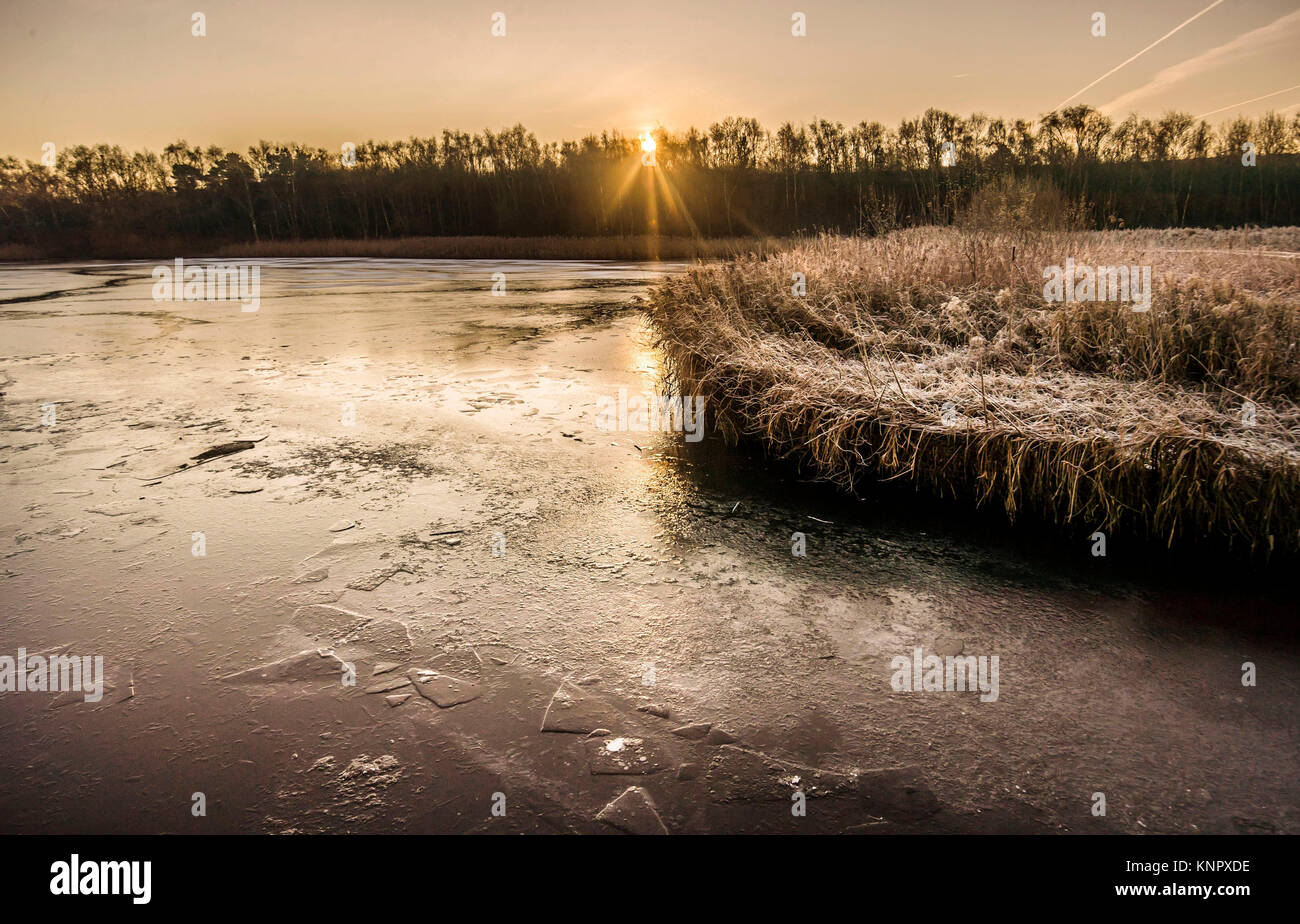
642,247
475,247
15,252
930,356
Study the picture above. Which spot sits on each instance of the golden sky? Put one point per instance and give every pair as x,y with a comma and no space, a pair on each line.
328,71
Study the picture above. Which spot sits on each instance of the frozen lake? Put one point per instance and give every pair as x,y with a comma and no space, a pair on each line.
428,489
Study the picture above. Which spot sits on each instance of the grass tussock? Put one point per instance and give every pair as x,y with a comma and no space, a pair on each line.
1088,415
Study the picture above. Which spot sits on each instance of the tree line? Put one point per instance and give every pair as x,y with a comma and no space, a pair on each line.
735,178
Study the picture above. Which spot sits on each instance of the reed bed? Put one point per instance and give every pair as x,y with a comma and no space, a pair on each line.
931,356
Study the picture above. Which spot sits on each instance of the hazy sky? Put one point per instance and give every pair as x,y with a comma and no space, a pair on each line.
328,71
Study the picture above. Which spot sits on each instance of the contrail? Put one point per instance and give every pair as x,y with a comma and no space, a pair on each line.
1248,101
1139,54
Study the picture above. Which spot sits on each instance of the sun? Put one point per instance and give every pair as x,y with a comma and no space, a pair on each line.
647,142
